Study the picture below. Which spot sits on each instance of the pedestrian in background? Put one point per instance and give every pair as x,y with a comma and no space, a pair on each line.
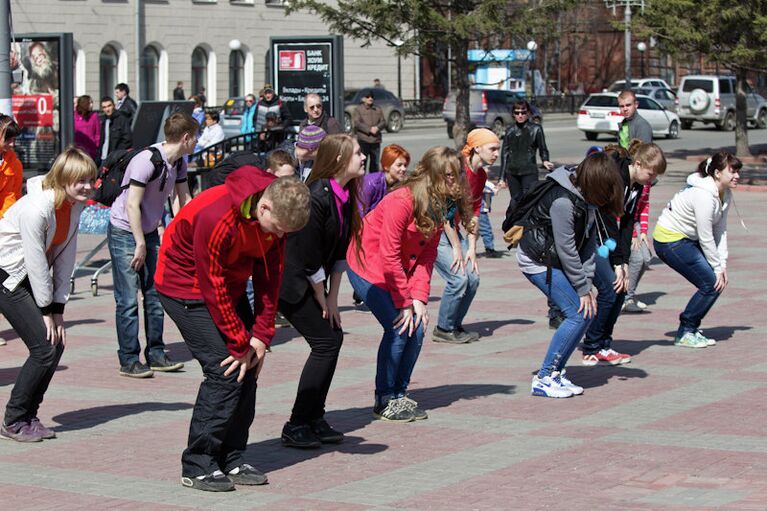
248,116
87,127
314,265
38,248
270,102
115,132
125,104
394,162
368,121
390,268
178,92
306,146
213,132
198,113
11,171
316,115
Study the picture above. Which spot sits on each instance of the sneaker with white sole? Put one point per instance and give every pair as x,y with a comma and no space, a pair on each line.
412,405
577,390
631,306
709,340
217,481
550,386
690,340
605,358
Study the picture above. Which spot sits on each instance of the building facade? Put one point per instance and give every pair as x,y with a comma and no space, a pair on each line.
219,45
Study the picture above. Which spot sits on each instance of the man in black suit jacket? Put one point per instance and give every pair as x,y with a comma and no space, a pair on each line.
125,104
115,130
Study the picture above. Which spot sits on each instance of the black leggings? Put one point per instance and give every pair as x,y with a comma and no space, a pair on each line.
325,342
22,313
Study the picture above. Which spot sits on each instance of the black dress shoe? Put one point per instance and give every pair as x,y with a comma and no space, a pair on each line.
325,433
300,436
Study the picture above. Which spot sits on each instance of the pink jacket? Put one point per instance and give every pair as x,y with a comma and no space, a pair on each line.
88,133
396,256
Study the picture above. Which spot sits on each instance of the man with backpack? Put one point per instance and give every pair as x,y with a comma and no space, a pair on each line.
150,177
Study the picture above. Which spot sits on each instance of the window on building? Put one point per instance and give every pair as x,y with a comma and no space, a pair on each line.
150,70
107,70
276,3
236,73
199,69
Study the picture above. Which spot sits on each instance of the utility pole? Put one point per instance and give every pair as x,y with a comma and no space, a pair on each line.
626,4
5,57
139,15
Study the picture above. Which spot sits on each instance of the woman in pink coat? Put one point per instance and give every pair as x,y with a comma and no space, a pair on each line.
87,127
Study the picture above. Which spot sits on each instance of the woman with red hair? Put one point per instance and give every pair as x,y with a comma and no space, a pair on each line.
394,162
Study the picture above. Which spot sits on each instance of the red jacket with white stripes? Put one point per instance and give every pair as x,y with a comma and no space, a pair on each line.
209,251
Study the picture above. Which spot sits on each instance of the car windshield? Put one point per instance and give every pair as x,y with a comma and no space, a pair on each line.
349,95
602,101
619,86
234,106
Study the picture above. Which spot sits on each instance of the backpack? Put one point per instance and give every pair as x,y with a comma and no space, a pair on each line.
518,217
109,180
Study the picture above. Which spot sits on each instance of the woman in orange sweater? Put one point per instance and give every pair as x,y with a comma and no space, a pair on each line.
11,172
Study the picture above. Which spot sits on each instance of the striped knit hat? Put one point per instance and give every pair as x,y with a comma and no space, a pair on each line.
310,137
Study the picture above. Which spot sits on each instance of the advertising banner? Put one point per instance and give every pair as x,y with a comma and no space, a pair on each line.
306,65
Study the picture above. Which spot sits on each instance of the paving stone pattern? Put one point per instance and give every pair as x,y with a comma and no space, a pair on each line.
677,429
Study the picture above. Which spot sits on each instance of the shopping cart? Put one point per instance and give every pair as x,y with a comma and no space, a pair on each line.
93,221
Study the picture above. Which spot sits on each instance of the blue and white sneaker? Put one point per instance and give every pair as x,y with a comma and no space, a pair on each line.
577,390
550,386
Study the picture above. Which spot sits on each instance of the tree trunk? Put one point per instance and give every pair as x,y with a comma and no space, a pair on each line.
741,120
462,84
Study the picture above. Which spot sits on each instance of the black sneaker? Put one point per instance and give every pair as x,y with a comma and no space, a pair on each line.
216,481
136,370
300,436
472,336
325,433
395,410
493,254
450,337
281,321
165,365
412,405
247,475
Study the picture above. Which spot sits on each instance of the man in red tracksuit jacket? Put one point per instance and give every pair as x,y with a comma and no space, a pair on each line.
225,236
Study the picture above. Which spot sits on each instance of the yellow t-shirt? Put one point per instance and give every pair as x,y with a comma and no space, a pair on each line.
666,235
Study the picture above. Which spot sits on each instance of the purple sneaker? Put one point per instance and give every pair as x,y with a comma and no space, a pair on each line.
36,425
20,431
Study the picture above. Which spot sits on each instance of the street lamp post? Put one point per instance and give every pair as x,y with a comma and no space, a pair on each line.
397,43
626,4
531,47
642,47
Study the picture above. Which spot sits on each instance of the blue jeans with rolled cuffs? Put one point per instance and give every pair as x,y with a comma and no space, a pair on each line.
397,353
686,258
568,335
460,286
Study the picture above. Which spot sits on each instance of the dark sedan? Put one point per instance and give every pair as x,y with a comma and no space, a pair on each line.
393,109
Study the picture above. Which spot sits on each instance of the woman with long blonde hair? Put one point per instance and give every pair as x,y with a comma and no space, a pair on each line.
38,247
390,269
314,263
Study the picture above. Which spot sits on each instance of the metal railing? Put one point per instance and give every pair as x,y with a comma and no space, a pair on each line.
423,108
561,103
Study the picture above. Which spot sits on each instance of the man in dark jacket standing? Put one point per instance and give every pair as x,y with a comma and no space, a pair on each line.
115,130
368,121
178,92
316,115
519,168
125,104
270,102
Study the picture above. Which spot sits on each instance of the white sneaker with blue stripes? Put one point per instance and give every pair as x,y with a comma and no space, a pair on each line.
550,386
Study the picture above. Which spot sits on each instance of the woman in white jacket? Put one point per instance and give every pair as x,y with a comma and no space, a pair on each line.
38,246
691,237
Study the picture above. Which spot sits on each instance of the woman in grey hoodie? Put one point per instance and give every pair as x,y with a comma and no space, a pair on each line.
691,237
557,255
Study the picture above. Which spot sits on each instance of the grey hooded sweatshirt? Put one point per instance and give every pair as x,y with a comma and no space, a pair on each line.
577,267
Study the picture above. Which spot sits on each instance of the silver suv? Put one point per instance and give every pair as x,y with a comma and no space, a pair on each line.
710,99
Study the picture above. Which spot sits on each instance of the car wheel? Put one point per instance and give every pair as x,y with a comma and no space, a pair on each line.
395,122
591,135
450,130
686,125
761,119
498,128
699,101
673,130
347,123
728,124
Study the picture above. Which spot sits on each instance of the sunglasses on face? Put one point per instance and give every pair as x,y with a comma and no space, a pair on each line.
520,112
315,107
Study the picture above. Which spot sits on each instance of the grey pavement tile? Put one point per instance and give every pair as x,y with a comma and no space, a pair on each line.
698,440
694,497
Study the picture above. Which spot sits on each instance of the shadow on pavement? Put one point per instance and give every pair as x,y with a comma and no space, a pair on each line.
487,328
87,321
270,455
650,298
90,417
591,377
633,348
8,375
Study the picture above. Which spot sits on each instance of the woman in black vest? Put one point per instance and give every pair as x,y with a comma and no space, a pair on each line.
315,261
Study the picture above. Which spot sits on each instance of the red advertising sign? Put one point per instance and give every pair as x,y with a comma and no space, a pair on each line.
33,111
292,60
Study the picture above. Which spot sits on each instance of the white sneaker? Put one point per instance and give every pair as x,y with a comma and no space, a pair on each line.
577,390
550,386
641,304
709,340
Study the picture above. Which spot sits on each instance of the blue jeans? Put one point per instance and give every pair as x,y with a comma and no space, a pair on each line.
485,228
687,259
599,336
127,284
397,353
460,287
569,333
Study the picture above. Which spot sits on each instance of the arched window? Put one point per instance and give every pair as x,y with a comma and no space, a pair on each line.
108,70
150,70
199,70
236,73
